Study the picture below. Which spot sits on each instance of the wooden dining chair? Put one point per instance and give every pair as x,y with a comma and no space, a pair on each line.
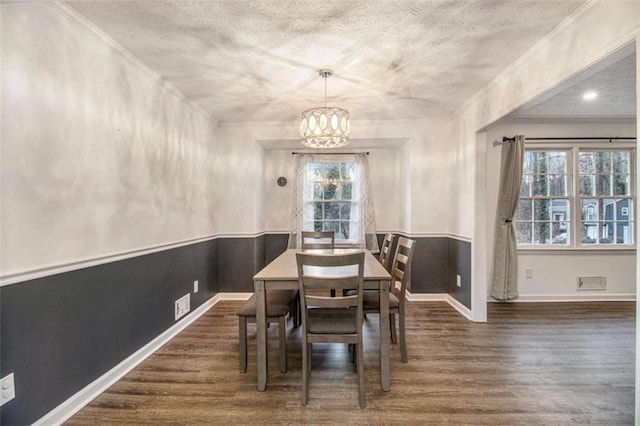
397,298
280,303
385,250
331,319
312,240
400,273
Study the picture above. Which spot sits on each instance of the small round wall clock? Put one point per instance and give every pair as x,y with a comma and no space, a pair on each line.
282,181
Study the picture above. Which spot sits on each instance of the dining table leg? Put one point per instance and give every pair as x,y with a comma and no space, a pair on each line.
261,333
385,375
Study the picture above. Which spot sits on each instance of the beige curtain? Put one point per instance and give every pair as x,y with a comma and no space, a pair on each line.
301,192
505,258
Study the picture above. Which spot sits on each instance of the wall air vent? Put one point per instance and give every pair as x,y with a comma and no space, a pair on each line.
183,305
592,283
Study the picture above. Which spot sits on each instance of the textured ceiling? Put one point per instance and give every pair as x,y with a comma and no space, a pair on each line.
615,86
244,60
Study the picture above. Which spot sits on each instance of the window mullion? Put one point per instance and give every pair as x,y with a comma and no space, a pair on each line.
573,194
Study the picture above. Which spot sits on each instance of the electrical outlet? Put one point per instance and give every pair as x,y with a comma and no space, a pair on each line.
528,273
195,286
458,280
7,389
183,305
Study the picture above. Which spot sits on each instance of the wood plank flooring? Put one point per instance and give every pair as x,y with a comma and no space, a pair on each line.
531,364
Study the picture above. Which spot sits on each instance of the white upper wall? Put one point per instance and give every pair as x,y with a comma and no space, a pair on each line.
99,155
120,161
240,170
101,158
408,176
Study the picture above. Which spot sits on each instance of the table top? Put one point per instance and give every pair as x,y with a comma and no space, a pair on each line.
284,267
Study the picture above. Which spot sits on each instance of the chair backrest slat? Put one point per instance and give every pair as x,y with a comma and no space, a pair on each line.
402,259
330,283
385,250
331,302
317,240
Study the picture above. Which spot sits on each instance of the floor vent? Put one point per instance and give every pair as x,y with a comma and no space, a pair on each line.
592,283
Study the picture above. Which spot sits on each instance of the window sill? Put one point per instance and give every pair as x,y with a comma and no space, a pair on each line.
576,250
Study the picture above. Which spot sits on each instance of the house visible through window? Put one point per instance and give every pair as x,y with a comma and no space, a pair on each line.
576,197
331,202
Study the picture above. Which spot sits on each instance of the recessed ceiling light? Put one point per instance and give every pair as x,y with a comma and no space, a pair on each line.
590,95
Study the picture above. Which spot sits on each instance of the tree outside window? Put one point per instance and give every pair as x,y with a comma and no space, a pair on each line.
543,209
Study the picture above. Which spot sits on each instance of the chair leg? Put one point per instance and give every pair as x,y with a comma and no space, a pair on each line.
293,310
403,338
306,349
242,333
352,351
360,370
282,333
392,327
298,313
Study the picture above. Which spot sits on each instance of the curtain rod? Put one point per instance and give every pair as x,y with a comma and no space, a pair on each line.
328,153
611,139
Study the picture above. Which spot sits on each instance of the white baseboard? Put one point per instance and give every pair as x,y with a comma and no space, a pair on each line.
460,307
591,297
81,398
234,296
440,297
426,297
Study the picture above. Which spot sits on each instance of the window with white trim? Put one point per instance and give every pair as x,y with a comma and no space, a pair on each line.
576,197
331,203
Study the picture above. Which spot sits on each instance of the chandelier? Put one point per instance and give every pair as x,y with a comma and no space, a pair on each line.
325,127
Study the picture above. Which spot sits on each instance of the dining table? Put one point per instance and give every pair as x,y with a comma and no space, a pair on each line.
282,273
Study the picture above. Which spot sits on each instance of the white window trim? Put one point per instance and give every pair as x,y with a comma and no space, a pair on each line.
336,158
572,184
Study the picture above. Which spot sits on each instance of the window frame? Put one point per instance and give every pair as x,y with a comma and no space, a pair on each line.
550,198
354,201
574,242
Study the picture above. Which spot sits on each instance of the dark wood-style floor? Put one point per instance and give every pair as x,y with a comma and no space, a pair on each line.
533,364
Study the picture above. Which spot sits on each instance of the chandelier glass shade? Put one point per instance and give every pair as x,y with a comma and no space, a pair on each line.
325,127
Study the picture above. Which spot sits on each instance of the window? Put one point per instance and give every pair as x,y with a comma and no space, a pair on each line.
543,209
599,213
605,197
331,202
331,192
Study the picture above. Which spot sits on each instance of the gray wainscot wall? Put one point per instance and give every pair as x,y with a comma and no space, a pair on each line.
62,332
